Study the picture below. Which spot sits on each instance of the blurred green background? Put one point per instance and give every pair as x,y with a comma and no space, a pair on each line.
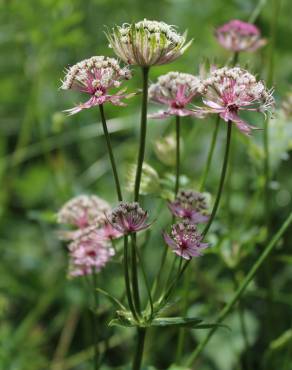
46,158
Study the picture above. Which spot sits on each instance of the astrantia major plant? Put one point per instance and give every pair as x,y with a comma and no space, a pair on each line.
96,227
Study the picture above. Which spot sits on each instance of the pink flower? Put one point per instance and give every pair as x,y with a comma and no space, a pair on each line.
239,36
108,232
82,212
128,218
175,91
95,77
189,205
185,240
88,254
230,90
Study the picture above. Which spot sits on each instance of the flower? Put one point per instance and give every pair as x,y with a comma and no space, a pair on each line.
82,211
147,43
175,90
230,90
108,232
190,205
128,218
185,240
239,36
88,254
95,76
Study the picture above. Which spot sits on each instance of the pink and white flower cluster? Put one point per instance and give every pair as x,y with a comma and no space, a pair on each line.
90,240
239,36
227,91
176,91
96,76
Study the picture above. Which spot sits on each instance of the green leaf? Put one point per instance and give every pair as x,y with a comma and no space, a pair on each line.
124,319
211,325
176,321
111,298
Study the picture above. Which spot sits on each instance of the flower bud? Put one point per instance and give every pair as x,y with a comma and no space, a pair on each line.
165,149
149,181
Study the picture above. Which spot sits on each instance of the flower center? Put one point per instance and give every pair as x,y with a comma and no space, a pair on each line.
177,105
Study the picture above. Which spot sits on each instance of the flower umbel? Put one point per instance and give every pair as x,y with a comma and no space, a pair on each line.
147,43
239,36
128,218
88,254
230,90
95,76
185,240
83,211
190,205
175,90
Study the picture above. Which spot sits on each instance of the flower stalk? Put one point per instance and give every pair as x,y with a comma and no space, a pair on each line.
177,172
111,154
210,154
143,130
222,179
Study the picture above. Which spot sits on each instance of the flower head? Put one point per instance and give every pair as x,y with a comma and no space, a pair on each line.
128,218
94,77
88,254
83,211
190,205
239,36
230,90
175,90
185,240
147,43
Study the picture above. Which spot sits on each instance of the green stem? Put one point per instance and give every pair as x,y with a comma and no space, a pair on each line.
223,174
141,333
157,281
237,295
210,154
146,282
182,331
95,335
235,58
256,12
127,279
177,173
110,152
242,324
143,128
135,281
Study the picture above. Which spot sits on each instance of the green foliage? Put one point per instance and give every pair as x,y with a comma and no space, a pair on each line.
47,157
